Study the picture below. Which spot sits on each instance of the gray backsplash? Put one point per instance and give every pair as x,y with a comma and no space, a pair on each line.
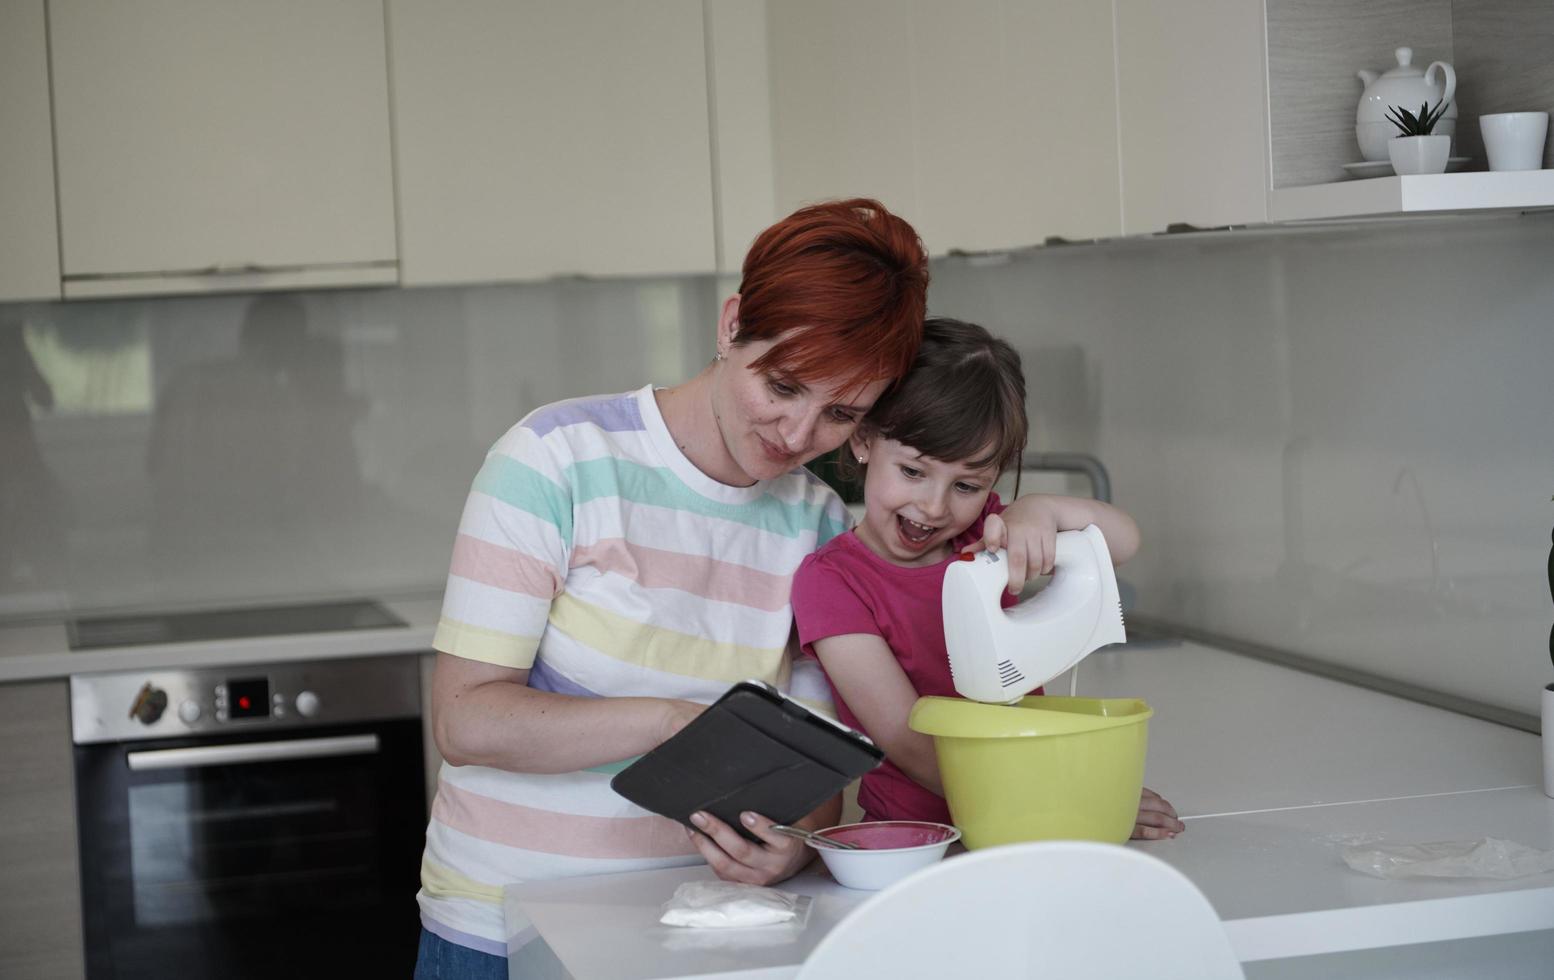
1338,441
284,446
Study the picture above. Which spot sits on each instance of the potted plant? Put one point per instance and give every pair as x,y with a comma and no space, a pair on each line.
1417,149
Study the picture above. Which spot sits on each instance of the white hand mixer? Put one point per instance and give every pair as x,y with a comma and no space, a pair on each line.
998,655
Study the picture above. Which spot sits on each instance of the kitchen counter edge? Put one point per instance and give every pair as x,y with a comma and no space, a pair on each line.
41,651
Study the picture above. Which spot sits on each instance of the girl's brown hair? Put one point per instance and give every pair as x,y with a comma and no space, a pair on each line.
850,273
965,395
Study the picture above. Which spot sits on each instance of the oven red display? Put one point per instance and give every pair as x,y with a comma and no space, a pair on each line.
250,698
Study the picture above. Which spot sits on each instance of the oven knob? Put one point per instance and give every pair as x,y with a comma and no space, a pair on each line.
149,704
306,703
189,712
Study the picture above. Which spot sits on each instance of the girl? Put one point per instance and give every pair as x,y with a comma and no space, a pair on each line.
868,603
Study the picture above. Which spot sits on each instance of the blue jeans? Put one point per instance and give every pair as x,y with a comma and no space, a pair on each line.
439,959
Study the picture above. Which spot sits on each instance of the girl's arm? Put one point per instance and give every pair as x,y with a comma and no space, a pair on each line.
1028,529
485,715
871,681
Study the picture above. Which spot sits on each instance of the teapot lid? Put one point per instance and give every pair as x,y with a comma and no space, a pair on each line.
1405,66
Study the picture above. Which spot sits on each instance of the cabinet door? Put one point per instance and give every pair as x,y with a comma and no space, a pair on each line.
739,83
29,244
222,136
989,123
551,138
40,876
1192,91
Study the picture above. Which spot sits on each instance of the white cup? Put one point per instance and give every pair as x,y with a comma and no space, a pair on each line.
1514,140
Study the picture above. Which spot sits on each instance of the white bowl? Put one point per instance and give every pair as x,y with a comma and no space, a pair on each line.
888,850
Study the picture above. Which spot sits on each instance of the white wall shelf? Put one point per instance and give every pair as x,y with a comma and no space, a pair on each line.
1420,194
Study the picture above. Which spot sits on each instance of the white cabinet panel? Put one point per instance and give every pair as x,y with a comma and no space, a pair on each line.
217,133
841,103
551,138
739,83
29,242
1018,109
1193,110
40,893
989,124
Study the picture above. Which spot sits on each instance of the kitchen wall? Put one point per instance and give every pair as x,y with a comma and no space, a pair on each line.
1337,440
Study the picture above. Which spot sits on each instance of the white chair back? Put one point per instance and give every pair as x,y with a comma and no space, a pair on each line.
1061,909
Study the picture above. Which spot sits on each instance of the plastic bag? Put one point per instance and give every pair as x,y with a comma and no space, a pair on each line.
1490,857
731,905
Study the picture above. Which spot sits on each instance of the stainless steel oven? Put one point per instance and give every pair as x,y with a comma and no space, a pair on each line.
251,821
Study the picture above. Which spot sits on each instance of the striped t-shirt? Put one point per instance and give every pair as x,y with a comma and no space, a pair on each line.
593,553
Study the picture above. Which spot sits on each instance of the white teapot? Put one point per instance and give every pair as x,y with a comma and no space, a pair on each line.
1404,86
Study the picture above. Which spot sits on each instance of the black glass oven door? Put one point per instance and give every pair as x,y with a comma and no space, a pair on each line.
253,857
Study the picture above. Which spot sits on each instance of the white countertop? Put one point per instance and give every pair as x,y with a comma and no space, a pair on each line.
1278,879
1276,772
1232,734
39,651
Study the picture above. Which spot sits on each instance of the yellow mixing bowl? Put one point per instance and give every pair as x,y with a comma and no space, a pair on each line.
1047,768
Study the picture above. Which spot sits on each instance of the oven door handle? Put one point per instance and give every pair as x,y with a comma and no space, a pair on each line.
229,755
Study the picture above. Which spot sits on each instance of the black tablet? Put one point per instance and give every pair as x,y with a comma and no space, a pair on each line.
752,749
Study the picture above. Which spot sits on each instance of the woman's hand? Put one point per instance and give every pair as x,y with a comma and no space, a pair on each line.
1157,818
734,858
677,714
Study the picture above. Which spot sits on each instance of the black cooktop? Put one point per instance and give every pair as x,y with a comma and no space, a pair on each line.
222,624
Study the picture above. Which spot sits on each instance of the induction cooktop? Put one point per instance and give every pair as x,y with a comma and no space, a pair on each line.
242,622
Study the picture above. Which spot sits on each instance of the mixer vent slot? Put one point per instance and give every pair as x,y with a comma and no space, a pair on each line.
1008,674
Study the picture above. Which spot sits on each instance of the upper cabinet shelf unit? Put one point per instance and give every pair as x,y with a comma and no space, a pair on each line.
1500,49
997,124
1268,88
210,145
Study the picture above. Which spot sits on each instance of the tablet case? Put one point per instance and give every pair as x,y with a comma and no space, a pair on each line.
752,749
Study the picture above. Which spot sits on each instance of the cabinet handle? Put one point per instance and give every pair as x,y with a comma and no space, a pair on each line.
238,269
220,269
227,755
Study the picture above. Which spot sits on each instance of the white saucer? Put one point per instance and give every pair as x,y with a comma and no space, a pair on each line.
1383,168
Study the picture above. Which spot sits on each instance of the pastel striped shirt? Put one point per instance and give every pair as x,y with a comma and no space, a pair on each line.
593,553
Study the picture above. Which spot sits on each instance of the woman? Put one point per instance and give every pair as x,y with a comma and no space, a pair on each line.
623,559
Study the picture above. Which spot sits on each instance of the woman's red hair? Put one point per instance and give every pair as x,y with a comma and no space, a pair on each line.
853,276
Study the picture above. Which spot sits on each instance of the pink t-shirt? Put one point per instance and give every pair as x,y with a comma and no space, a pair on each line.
846,588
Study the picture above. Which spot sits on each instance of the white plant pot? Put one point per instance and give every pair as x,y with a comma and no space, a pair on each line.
1419,154
1374,136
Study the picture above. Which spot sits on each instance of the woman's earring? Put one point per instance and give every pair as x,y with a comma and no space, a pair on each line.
860,460
718,356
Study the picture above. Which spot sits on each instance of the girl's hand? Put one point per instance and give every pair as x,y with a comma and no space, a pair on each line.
733,858
1030,538
1157,818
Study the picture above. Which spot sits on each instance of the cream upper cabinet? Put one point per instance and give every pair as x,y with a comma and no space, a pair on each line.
989,124
221,144
551,138
1192,113
739,97
29,243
